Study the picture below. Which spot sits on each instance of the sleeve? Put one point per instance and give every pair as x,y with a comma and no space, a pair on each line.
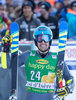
5,60
23,58
66,73
69,79
6,19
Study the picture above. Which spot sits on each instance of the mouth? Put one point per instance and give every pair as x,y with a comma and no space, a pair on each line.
43,45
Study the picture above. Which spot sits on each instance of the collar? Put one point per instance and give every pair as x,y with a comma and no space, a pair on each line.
29,20
46,55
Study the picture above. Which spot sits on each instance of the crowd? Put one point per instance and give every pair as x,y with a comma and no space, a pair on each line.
31,13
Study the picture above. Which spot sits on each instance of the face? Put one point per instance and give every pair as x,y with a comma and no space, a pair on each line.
58,5
43,11
43,46
27,10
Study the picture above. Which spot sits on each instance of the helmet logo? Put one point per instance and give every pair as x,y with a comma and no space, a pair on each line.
42,28
42,32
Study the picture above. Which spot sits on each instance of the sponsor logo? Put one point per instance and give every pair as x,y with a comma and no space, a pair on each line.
40,85
32,54
54,56
42,61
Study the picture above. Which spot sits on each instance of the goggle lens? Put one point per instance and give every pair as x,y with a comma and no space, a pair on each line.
40,38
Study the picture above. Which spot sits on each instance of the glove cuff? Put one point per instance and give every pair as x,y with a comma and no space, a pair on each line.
6,48
67,88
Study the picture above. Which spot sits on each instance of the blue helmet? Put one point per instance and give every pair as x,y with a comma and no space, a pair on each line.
43,30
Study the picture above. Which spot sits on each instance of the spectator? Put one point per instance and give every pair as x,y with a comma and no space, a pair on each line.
27,22
11,12
1,6
8,3
66,4
4,20
71,18
37,11
48,20
57,9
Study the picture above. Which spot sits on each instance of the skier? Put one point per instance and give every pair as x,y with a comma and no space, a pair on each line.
28,21
40,68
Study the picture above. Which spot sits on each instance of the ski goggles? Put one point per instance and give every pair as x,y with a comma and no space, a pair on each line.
46,38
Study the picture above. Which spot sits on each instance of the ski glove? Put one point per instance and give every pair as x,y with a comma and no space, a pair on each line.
6,42
64,91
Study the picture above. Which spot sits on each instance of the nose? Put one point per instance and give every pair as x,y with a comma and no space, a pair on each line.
43,41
